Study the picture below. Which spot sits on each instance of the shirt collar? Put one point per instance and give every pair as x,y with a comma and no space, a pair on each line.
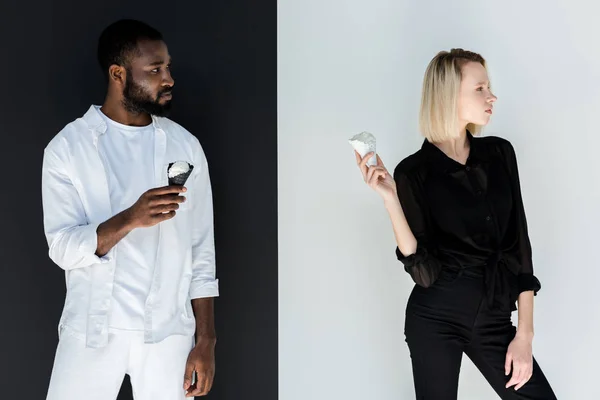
439,159
97,123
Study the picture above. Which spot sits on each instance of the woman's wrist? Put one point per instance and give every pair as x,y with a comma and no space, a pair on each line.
391,201
525,334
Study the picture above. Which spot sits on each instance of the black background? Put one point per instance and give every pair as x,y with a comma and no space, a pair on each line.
224,66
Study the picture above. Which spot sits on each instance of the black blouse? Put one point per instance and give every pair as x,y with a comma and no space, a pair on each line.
468,216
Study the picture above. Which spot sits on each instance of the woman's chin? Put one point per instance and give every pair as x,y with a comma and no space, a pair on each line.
484,122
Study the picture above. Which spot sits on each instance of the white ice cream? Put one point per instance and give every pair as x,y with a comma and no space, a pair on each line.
364,143
178,168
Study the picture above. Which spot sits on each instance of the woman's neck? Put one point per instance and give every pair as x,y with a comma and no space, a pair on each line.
458,148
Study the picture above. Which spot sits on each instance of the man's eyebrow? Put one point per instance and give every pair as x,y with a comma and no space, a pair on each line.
159,62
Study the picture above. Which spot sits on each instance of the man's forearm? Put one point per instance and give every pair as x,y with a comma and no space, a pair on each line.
205,319
525,324
112,231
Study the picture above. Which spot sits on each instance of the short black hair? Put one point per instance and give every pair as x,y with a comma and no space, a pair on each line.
119,41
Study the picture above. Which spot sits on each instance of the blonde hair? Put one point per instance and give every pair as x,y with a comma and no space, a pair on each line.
438,116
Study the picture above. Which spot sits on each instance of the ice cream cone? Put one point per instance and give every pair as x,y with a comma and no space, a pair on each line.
364,143
180,178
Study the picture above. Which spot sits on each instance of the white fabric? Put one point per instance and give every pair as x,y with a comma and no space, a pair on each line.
76,199
128,156
156,370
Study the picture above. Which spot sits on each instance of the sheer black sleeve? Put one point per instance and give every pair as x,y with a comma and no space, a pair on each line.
527,280
423,266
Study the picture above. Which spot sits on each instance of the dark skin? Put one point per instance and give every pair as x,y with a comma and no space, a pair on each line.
150,70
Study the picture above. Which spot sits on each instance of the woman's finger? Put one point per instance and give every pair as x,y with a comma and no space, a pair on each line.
361,166
514,379
507,364
358,157
373,170
375,177
524,381
517,376
365,159
520,376
370,172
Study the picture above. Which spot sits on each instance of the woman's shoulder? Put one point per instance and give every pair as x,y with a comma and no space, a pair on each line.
411,164
493,141
495,144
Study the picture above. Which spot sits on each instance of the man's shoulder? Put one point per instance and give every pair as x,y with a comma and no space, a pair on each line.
173,128
179,133
74,130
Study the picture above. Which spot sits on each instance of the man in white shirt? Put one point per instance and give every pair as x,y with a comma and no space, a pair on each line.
138,253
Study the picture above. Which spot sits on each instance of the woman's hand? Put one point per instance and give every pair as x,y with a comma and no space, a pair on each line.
377,177
520,355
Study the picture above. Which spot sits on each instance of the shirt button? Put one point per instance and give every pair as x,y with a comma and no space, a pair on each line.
488,218
468,168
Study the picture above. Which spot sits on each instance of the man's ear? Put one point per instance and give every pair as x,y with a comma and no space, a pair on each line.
117,74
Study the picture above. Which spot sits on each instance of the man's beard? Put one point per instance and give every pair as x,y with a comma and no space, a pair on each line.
137,100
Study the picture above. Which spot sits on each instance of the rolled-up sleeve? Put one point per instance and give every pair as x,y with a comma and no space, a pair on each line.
423,266
526,279
204,282
72,241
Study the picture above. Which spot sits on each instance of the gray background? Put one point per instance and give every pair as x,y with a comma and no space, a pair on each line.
346,66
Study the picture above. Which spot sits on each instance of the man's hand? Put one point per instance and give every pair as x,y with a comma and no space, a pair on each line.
202,362
155,206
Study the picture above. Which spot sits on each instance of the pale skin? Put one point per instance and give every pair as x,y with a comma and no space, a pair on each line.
150,69
475,106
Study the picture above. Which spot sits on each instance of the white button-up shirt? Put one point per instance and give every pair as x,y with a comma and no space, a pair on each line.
76,199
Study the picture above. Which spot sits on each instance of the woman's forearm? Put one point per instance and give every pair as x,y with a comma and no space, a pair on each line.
525,325
406,241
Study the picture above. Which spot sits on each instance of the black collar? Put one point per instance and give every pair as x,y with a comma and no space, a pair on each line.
440,160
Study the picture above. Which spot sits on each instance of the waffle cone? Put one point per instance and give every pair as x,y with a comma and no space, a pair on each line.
179,180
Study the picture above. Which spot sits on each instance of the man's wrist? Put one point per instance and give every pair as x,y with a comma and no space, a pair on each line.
203,340
128,222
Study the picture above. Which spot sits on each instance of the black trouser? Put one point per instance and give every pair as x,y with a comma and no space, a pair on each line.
451,317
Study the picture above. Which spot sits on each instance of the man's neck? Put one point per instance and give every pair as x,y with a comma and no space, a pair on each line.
116,112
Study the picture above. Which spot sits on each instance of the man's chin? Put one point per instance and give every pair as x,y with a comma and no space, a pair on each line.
162,112
159,109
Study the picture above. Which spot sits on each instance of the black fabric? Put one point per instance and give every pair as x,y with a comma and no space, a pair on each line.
452,317
468,216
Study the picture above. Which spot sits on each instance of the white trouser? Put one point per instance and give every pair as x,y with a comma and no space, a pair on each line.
155,370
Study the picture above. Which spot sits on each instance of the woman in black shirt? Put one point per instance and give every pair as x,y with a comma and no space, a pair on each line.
461,231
